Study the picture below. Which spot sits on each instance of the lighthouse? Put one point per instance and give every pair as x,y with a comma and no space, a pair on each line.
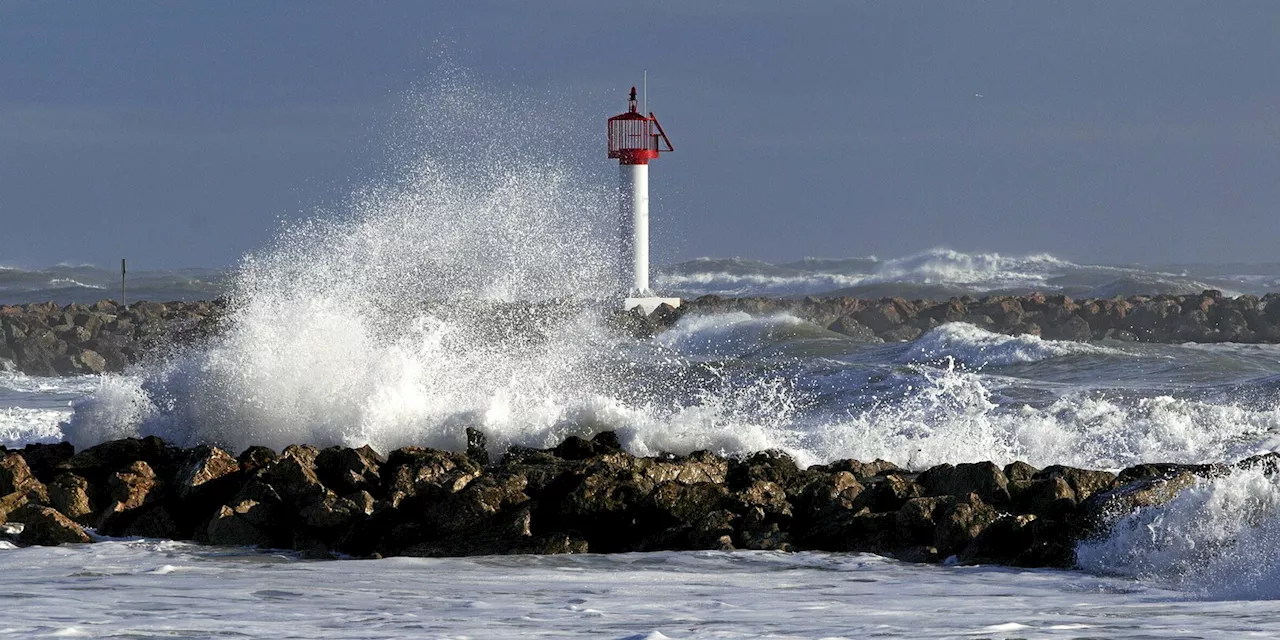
635,139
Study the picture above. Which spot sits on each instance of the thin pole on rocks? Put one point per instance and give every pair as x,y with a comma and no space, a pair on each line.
124,301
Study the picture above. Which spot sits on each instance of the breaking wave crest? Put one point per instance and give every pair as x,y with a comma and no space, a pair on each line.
1219,539
452,293
977,348
378,324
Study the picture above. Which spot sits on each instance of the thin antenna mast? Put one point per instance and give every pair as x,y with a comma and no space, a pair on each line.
646,91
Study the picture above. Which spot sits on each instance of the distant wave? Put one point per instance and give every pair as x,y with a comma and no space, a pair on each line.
66,283
942,273
933,274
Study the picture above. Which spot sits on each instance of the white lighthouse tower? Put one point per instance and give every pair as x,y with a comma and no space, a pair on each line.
635,139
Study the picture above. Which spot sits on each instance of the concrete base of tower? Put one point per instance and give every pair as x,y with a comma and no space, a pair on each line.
648,304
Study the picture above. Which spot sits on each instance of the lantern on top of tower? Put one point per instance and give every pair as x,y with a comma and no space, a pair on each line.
634,140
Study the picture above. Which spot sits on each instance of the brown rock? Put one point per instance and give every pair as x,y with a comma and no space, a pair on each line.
1084,482
1019,470
69,494
46,527
204,464
244,524
916,522
415,471
961,524
982,478
15,475
1049,497
862,470
347,470
129,489
887,493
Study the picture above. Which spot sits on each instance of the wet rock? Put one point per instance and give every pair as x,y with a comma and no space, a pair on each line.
254,458
905,333
961,524
347,470
1084,482
428,473
1019,471
1002,541
982,478
1169,470
203,465
770,466
881,317
247,523
256,516
887,493
153,521
96,463
129,489
69,494
862,530
916,520
16,476
477,447
1096,514
294,478
862,470
44,526
826,492
1050,497
12,502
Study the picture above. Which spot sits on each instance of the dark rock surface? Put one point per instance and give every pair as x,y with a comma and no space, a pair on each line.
579,496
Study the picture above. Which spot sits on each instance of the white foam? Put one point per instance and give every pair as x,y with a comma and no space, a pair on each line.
1219,539
20,426
977,348
948,415
728,334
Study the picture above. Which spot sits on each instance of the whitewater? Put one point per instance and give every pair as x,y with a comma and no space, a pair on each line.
374,324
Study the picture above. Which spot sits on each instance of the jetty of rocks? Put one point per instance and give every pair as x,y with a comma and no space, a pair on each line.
46,339
580,496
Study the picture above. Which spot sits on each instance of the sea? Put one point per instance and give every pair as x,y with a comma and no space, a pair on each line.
371,323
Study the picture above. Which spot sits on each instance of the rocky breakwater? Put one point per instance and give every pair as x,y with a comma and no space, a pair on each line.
44,339
580,496
1206,317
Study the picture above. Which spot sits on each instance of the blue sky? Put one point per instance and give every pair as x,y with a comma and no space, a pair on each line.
180,134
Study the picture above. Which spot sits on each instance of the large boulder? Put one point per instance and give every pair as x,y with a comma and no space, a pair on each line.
46,527
982,478
414,472
129,489
16,476
203,466
69,494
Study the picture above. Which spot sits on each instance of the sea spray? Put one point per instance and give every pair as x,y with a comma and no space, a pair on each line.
456,291
1219,539
370,325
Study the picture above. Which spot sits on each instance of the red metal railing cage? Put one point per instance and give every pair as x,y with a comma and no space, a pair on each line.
636,139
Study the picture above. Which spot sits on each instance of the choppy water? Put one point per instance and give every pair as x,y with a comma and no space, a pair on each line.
321,348
161,590
933,274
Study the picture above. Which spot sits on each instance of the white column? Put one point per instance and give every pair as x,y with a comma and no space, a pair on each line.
636,188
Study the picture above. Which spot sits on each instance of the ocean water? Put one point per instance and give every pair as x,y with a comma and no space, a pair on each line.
373,324
935,274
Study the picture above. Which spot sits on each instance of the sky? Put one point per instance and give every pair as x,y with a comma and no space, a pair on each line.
182,134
